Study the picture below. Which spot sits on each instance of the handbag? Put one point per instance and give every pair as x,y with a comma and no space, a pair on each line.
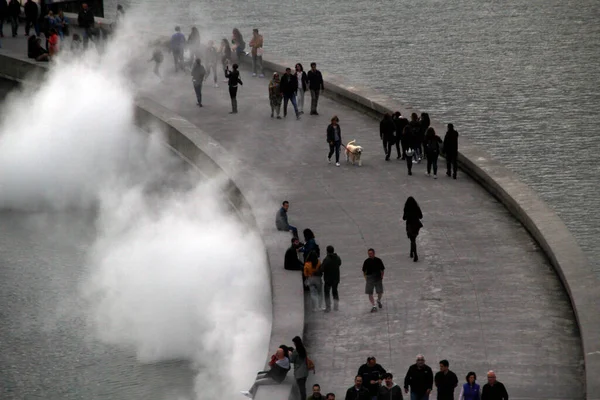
260,51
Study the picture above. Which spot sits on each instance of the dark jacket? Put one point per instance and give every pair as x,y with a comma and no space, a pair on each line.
353,394
400,124
451,142
433,145
198,74
14,8
445,384
331,133
311,245
289,84
85,19
387,129
291,262
315,80
419,380
393,393
281,220
234,78
408,138
371,373
413,223
31,11
331,268
304,80
418,135
277,373
3,10
496,392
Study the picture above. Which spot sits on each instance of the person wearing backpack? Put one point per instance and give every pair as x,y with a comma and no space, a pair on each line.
432,148
313,273
302,365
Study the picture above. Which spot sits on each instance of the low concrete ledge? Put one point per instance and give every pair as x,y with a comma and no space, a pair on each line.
541,221
242,190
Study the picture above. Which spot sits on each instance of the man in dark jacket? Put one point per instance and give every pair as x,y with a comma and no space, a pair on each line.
31,17
451,150
386,133
372,374
85,20
358,392
315,84
493,390
14,9
400,122
233,77
198,74
331,275
292,262
389,390
280,365
445,382
289,87
420,379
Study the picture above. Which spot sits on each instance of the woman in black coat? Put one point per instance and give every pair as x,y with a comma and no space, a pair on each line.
334,138
412,216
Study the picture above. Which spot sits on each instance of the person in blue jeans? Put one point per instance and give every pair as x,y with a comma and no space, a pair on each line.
289,87
334,138
419,378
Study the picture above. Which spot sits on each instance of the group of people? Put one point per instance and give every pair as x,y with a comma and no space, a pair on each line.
291,88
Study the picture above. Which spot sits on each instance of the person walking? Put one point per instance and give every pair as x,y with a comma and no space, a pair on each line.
31,17
334,138
3,16
415,128
194,44
331,276
256,43
86,21
445,382
198,74
14,9
419,378
400,123
316,85
299,359
289,87
275,95
386,134
237,41
373,270
409,149
313,273
302,86
451,150
433,143
389,390
212,59
424,123
358,392
281,219
157,58
372,374
177,48
470,390
233,77
413,216
225,52
493,390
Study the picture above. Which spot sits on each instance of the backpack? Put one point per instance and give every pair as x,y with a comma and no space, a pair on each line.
310,365
433,146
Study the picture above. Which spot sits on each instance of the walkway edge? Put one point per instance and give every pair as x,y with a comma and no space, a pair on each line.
543,224
242,190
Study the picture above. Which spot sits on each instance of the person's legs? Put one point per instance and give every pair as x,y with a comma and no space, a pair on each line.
294,231
198,90
27,26
434,161
331,150
278,108
327,289
320,292
14,21
301,382
313,102
300,100
448,163
254,64
314,293
232,95
317,92
261,382
398,152
369,288
379,290
286,98
413,248
337,151
389,149
36,27
336,297
409,164
429,163
294,103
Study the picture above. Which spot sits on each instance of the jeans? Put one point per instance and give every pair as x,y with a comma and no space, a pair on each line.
432,159
418,154
34,24
301,382
314,100
333,287
451,161
178,59
257,64
198,90
315,285
233,95
335,147
261,380
292,98
14,23
300,100
414,396
294,230
399,150
387,148
409,164
212,68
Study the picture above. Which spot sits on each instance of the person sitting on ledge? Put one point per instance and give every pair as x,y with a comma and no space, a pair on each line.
280,366
281,220
35,49
292,262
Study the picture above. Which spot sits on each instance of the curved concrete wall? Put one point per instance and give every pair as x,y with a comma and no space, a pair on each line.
541,221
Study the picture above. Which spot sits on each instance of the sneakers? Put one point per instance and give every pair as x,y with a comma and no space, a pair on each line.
379,304
337,164
328,160
272,115
254,75
427,174
216,85
327,309
434,176
448,174
298,116
261,76
278,117
246,393
373,309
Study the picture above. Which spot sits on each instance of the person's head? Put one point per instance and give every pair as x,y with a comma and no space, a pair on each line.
471,378
371,253
225,42
198,61
275,76
299,67
177,29
288,70
313,66
420,360
491,376
236,33
330,396
295,242
280,354
235,66
285,205
444,364
430,133
316,390
414,117
371,361
52,31
330,249
389,379
119,7
411,205
450,127
255,32
61,13
387,116
397,114
50,13
358,381
308,234
195,30
335,120
299,346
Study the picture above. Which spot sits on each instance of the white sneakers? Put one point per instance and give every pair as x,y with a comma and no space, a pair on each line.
337,164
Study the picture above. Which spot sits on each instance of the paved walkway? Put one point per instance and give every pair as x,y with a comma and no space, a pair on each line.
482,295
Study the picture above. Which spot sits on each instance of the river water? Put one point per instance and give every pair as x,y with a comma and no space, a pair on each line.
519,77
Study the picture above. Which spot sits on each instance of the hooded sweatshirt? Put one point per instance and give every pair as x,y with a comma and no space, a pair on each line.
331,268
393,393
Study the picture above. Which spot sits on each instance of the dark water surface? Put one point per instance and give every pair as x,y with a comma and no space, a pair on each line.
518,77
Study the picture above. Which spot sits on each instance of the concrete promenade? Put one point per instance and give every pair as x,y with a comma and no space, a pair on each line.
482,295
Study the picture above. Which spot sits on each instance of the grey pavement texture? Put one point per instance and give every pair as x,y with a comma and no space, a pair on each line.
482,295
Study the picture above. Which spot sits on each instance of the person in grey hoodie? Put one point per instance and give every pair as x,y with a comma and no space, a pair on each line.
298,358
331,275
389,390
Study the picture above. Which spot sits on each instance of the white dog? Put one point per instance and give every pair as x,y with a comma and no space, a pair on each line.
353,152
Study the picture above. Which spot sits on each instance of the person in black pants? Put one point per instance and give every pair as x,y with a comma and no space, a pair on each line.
386,133
409,151
31,17
233,81
433,143
14,9
331,275
412,216
289,87
334,138
451,150
420,379
400,122
315,84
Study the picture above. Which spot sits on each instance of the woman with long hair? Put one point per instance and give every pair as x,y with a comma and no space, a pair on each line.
237,40
225,52
300,366
193,44
302,85
275,95
413,216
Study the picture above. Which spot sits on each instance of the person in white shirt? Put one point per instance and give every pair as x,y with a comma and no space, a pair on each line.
302,86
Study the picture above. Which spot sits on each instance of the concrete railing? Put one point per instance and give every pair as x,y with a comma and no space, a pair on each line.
203,152
544,225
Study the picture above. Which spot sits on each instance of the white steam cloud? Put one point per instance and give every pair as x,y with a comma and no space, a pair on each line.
173,273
